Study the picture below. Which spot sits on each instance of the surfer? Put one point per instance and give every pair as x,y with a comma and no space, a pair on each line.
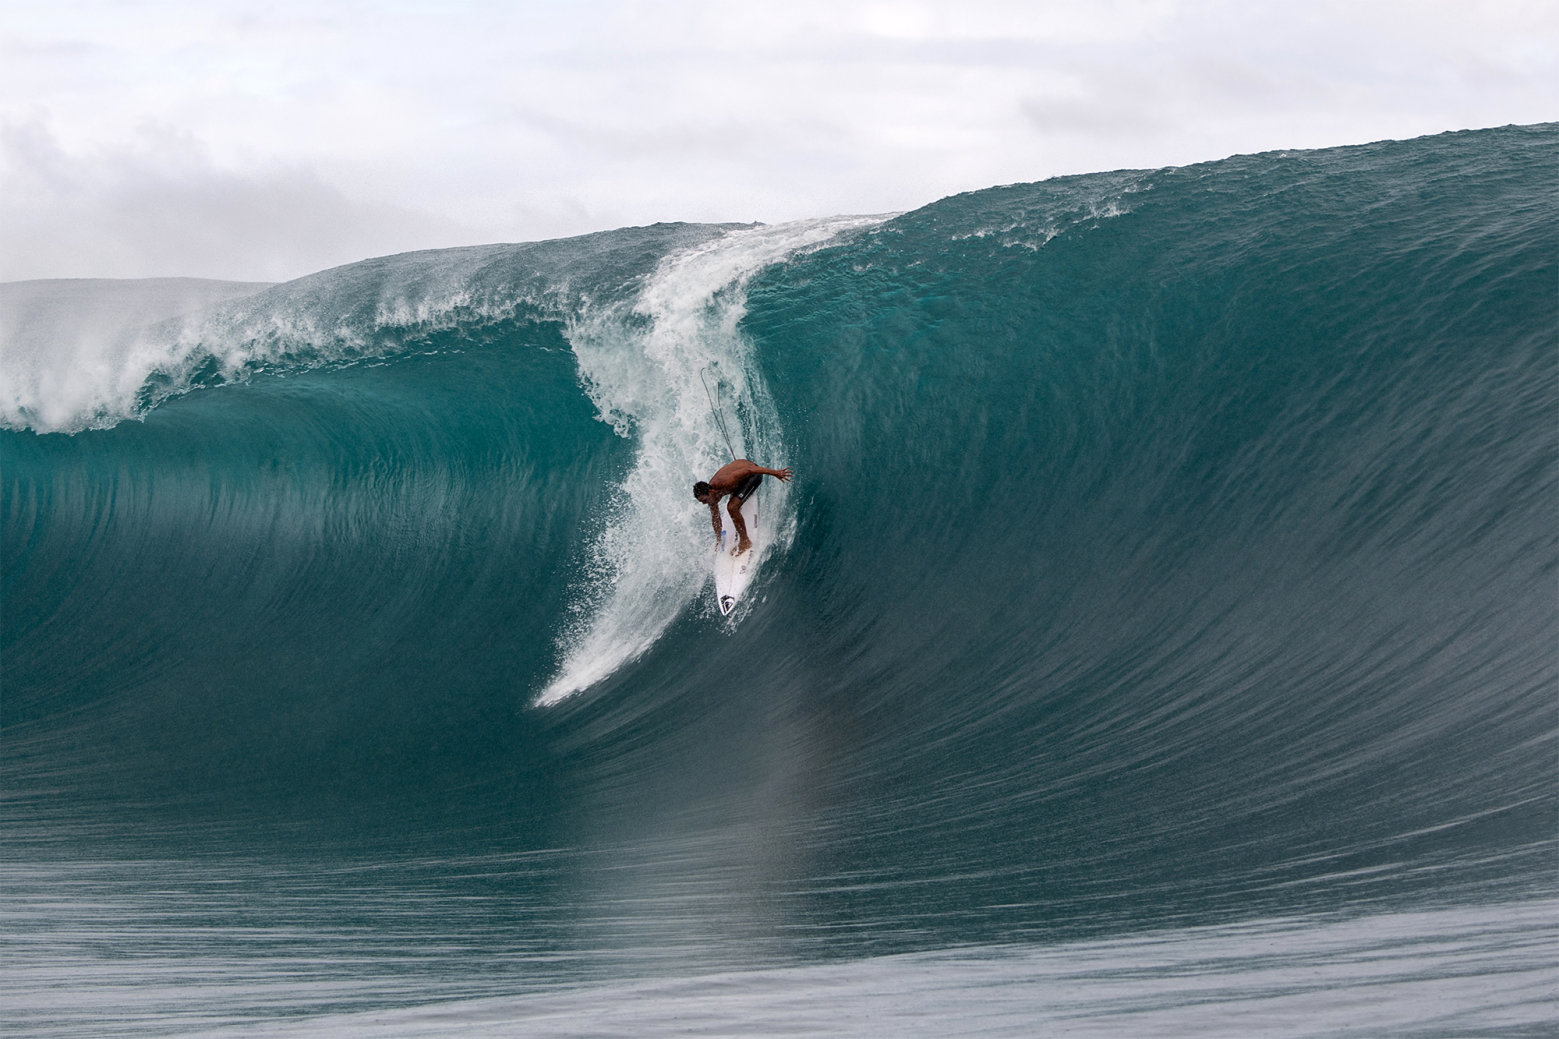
738,479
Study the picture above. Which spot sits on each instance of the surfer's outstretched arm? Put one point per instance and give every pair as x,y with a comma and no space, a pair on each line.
731,474
714,516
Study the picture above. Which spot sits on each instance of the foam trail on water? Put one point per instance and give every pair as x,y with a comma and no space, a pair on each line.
640,362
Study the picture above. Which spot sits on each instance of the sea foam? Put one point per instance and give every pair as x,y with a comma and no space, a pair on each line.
648,364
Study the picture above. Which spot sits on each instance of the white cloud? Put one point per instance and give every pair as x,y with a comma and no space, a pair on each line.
159,205
335,129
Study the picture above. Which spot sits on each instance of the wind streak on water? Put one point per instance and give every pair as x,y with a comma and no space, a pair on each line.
1441,973
240,950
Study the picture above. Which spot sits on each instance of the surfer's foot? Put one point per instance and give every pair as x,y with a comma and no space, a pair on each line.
743,545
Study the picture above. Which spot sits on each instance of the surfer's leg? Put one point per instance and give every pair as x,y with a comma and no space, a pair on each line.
734,507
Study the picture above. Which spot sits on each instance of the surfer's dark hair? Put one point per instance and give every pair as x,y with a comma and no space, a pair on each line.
700,489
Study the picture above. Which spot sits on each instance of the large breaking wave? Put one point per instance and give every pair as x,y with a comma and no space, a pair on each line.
1164,545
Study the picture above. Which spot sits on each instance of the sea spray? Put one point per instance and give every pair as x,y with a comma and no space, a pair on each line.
640,361
85,354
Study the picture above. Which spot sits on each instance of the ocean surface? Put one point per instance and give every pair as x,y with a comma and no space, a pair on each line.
1160,635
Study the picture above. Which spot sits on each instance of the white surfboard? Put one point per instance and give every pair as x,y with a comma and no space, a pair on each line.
734,572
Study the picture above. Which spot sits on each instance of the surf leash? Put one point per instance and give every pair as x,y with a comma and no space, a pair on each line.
716,410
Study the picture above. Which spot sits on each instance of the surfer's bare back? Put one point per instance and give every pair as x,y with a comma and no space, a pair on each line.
738,479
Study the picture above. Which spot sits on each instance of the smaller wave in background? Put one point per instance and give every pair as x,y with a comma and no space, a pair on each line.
74,350
79,355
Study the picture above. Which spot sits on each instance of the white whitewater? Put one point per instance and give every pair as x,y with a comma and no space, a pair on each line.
75,352
84,353
640,362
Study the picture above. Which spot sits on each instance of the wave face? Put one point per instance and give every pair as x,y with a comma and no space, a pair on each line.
1165,546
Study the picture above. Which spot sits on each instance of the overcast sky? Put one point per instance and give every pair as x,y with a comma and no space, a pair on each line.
267,140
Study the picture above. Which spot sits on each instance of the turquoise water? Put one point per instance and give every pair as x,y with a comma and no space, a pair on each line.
1170,552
